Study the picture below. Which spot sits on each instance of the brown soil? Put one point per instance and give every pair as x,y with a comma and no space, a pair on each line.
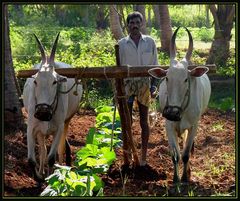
213,162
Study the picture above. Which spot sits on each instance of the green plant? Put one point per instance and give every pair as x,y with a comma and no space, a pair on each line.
223,104
217,127
92,160
205,35
67,182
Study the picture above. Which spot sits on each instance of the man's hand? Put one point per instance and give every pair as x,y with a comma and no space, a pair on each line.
153,91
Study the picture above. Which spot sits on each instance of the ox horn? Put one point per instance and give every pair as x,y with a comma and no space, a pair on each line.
52,56
190,46
40,46
173,45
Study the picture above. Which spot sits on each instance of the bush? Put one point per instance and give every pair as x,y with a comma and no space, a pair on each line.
205,35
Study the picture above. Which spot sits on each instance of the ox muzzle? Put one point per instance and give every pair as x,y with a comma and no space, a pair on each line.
172,113
43,112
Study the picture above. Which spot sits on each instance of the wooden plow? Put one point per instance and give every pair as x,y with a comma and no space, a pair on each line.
118,73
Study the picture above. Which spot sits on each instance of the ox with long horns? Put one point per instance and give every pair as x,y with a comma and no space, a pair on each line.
184,95
50,100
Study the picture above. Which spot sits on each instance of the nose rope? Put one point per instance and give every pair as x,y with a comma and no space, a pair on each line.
77,82
50,107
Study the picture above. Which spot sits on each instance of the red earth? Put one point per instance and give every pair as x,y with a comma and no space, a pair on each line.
213,163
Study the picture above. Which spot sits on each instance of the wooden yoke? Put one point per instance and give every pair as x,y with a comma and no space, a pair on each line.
128,143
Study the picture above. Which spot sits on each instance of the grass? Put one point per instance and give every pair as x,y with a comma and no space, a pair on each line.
222,96
217,127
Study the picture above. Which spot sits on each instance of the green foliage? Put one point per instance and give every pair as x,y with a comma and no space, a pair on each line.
205,34
87,47
92,160
67,182
230,68
224,104
79,47
223,96
163,58
189,15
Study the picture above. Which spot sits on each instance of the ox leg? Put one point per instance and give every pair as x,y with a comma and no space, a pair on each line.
144,123
54,146
188,147
175,150
64,146
31,143
42,154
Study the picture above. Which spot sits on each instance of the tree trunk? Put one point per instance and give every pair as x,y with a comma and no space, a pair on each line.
86,16
157,16
123,20
20,14
13,117
141,9
60,12
223,23
149,22
115,23
207,16
101,19
165,28
163,22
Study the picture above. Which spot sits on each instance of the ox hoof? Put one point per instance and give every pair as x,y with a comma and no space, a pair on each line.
37,177
185,180
32,163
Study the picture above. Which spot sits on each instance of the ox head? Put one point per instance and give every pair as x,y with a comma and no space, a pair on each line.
46,83
178,80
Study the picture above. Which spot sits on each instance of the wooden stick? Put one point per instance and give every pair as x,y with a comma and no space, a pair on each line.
106,72
128,141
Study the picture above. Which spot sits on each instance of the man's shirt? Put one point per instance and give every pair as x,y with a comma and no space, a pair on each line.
143,55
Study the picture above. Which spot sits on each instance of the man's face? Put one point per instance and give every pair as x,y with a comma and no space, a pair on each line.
134,25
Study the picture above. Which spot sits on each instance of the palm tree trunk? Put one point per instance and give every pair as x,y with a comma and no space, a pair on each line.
115,23
157,16
141,9
13,116
149,22
163,22
123,20
166,28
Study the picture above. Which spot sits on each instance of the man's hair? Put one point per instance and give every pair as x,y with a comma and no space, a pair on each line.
134,14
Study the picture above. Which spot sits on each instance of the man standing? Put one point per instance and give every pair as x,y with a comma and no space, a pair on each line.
139,50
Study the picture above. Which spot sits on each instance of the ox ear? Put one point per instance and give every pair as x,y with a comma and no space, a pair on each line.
157,72
198,71
61,78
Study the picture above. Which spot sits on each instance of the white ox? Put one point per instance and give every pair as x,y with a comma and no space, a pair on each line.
184,95
50,101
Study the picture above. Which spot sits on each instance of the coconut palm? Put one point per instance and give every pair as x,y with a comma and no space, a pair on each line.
115,23
12,108
163,22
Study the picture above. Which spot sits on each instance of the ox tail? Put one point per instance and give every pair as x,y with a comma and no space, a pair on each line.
41,48
54,47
